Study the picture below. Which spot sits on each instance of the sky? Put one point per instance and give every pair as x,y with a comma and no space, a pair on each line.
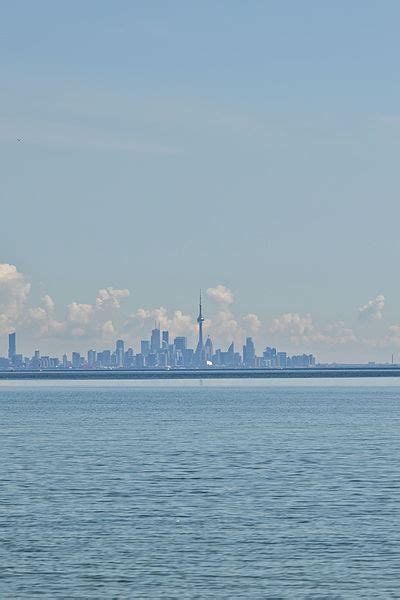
246,148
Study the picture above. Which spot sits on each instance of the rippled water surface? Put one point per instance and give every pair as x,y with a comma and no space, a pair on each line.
189,491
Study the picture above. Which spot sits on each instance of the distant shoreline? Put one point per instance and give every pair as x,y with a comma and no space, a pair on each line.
149,374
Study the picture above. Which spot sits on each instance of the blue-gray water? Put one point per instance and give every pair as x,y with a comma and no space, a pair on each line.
189,491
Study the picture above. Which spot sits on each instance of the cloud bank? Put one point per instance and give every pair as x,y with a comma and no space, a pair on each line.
372,310
302,331
110,316
14,292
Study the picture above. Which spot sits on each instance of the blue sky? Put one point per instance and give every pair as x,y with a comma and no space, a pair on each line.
172,145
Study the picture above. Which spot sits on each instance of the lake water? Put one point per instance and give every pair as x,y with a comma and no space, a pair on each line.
228,490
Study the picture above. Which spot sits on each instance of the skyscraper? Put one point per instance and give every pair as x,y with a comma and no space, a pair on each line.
282,360
180,342
145,347
200,359
120,351
165,339
12,346
155,342
208,349
129,358
249,354
91,358
76,360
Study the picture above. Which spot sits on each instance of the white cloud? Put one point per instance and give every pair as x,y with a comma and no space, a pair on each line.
110,297
181,324
221,294
393,335
224,328
91,323
78,332
141,315
91,320
178,323
80,313
107,330
14,292
337,334
48,303
293,324
391,339
252,323
301,330
41,322
372,310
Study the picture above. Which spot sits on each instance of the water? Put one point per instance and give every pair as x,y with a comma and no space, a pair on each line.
189,491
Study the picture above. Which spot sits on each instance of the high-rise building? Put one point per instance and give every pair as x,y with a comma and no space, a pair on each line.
249,354
302,360
281,359
208,349
129,358
18,360
226,359
231,355
165,339
162,358
139,361
104,358
155,342
12,346
120,352
188,358
180,342
45,362
76,360
270,357
91,358
145,347
151,360
35,360
200,359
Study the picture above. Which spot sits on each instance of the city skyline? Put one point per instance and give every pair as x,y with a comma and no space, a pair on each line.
115,313
159,352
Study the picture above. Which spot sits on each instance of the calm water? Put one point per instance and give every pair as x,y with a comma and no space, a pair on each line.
189,491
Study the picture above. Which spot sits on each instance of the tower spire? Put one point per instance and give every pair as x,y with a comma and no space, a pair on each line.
200,352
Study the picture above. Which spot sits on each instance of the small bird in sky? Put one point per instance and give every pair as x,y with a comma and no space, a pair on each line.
19,140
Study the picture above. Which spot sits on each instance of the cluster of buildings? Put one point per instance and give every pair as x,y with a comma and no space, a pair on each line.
160,352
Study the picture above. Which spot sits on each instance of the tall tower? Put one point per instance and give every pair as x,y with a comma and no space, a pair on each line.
200,352
120,352
155,343
12,346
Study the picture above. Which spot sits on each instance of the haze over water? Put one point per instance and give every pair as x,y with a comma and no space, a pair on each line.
266,489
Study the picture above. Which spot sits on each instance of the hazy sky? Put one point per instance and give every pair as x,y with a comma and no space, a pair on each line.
171,145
